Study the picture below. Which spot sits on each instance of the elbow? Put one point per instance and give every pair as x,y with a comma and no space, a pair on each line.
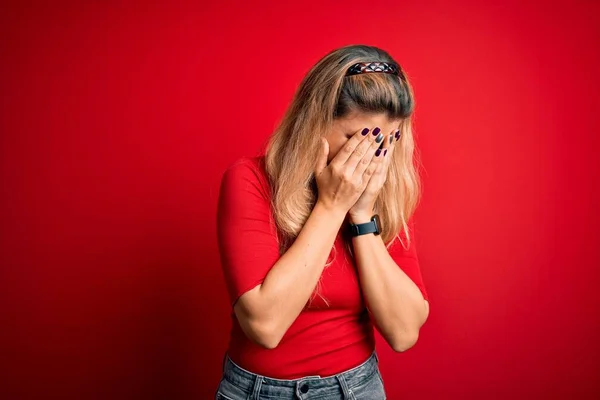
259,328
406,338
263,334
269,344
404,342
271,340
259,323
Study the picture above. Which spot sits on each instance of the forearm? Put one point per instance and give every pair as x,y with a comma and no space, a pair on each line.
393,299
290,283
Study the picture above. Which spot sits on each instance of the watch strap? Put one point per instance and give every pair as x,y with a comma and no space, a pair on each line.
366,228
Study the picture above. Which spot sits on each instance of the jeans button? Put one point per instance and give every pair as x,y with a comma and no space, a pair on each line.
304,388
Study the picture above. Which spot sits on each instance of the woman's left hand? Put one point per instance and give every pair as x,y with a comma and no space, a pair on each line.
363,209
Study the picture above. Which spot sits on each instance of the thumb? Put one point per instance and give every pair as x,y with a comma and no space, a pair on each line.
322,160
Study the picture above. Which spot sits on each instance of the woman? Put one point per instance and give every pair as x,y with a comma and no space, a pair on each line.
315,238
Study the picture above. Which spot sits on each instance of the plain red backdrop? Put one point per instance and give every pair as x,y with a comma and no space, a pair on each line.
117,121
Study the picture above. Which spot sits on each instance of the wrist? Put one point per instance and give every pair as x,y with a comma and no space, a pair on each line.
331,213
360,218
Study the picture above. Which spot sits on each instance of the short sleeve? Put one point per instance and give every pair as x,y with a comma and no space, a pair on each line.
246,236
408,260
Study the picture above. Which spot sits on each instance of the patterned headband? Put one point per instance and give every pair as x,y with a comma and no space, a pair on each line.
363,68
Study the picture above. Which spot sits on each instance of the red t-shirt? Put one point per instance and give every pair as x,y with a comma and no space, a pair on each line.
323,340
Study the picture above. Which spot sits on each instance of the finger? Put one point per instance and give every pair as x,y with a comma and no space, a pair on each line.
370,160
388,143
364,150
346,151
381,160
388,151
398,134
392,140
322,160
374,183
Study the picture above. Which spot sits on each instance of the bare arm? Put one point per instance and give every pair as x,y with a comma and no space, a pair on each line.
266,312
393,299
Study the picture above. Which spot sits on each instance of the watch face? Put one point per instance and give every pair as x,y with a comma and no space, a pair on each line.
377,223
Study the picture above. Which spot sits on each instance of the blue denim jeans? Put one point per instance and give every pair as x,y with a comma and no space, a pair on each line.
358,383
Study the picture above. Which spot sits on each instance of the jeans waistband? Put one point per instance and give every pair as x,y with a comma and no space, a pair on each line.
255,383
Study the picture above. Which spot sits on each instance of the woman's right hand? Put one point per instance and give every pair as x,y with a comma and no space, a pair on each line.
341,183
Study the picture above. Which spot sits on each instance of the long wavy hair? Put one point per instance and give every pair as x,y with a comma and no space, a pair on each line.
291,152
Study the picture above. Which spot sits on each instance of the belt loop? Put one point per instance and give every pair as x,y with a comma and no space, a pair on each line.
255,395
344,386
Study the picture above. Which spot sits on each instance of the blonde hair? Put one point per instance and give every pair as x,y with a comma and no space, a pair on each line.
325,94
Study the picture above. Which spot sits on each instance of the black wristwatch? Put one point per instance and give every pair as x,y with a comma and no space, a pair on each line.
373,226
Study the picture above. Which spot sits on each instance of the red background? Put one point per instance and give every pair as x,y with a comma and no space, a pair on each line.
118,120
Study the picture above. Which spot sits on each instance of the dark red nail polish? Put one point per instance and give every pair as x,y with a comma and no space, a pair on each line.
397,135
365,131
376,131
378,152
384,152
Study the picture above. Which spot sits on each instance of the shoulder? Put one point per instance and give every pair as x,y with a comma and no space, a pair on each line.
246,164
248,174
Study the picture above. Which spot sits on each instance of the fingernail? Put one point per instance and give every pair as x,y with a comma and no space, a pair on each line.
384,152
397,135
378,152
376,131
365,131
379,138
391,138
